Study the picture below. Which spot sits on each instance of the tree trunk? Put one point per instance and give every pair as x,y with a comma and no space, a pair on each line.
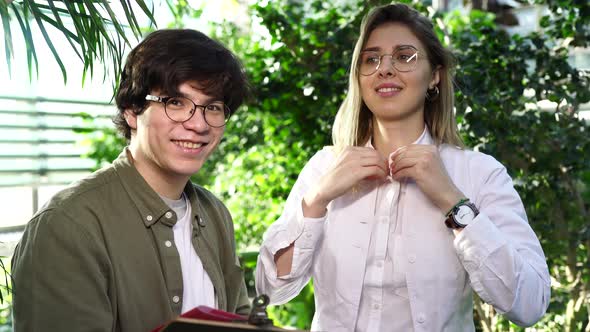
486,314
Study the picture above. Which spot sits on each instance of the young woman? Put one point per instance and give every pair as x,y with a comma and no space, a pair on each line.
397,224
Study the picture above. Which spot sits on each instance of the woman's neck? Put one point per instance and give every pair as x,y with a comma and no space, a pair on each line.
389,136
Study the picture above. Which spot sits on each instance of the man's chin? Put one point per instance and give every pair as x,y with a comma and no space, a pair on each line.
188,170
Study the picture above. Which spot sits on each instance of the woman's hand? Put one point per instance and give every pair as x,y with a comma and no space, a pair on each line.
352,165
422,164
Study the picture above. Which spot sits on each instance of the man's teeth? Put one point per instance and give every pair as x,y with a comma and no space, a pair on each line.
189,145
388,89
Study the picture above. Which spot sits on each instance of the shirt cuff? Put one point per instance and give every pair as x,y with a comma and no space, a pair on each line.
303,232
477,241
305,243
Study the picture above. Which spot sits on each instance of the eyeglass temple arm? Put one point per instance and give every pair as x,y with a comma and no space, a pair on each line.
153,98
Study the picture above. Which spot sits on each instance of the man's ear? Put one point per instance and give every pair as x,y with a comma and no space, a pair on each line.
130,118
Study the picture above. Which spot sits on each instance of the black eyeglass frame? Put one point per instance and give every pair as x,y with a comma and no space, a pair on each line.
164,100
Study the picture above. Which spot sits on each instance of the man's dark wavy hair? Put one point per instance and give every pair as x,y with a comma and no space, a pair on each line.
167,58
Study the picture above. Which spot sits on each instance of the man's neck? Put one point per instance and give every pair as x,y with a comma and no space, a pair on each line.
167,185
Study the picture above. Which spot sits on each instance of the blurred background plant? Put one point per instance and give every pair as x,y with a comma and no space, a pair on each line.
518,98
97,33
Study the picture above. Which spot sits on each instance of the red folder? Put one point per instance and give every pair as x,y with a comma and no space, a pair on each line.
207,314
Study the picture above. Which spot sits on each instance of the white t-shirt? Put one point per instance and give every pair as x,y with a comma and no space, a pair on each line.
197,286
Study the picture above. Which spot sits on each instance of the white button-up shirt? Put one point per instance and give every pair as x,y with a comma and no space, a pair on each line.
433,272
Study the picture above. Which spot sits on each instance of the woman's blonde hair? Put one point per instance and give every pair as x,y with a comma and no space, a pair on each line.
352,126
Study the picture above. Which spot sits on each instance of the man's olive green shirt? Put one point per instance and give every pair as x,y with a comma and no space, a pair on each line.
100,256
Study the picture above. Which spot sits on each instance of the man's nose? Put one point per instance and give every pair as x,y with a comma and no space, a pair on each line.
197,121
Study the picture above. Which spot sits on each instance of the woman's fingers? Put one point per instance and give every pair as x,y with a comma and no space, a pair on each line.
373,172
405,164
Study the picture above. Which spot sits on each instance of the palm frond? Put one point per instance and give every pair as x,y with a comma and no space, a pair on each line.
58,24
7,33
37,16
28,36
96,34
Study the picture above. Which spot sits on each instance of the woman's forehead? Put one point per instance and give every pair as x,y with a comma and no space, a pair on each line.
391,35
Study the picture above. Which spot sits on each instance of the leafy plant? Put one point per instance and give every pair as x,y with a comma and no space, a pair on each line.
504,81
95,32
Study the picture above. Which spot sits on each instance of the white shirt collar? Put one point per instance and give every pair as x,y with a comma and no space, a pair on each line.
424,139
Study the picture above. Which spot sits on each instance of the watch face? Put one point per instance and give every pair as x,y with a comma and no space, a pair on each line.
464,215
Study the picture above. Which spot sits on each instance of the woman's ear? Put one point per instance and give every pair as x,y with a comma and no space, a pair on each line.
435,78
130,118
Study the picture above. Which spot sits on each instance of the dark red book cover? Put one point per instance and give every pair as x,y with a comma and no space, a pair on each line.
208,314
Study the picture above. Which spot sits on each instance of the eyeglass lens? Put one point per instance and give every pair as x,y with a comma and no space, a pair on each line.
181,109
403,60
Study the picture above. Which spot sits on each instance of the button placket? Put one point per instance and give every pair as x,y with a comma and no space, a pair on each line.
421,318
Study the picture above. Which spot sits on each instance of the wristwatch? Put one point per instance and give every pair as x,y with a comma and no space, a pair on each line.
461,215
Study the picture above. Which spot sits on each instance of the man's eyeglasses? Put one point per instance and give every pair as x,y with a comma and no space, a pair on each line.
182,109
403,59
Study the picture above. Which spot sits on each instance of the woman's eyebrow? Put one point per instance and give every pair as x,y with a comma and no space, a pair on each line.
397,47
372,49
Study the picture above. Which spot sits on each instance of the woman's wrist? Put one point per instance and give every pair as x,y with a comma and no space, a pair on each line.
449,200
313,205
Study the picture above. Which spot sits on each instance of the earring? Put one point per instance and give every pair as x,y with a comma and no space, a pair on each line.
432,94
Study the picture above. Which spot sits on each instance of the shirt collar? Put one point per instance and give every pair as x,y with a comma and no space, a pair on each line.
424,139
146,200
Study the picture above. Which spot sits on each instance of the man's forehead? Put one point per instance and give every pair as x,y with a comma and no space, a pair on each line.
194,88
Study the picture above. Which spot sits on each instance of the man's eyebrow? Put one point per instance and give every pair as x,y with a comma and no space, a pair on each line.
205,101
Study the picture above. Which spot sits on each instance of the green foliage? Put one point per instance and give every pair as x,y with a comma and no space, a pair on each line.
5,296
568,19
105,146
501,81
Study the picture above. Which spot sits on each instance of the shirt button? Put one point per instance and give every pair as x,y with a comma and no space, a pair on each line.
168,244
376,306
168,214
308,235
379,264
412,258
421,318
176,299
149,217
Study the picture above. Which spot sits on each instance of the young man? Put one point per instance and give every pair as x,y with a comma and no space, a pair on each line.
136,243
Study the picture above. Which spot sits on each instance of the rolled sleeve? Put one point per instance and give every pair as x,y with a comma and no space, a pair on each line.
292,228
304,245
